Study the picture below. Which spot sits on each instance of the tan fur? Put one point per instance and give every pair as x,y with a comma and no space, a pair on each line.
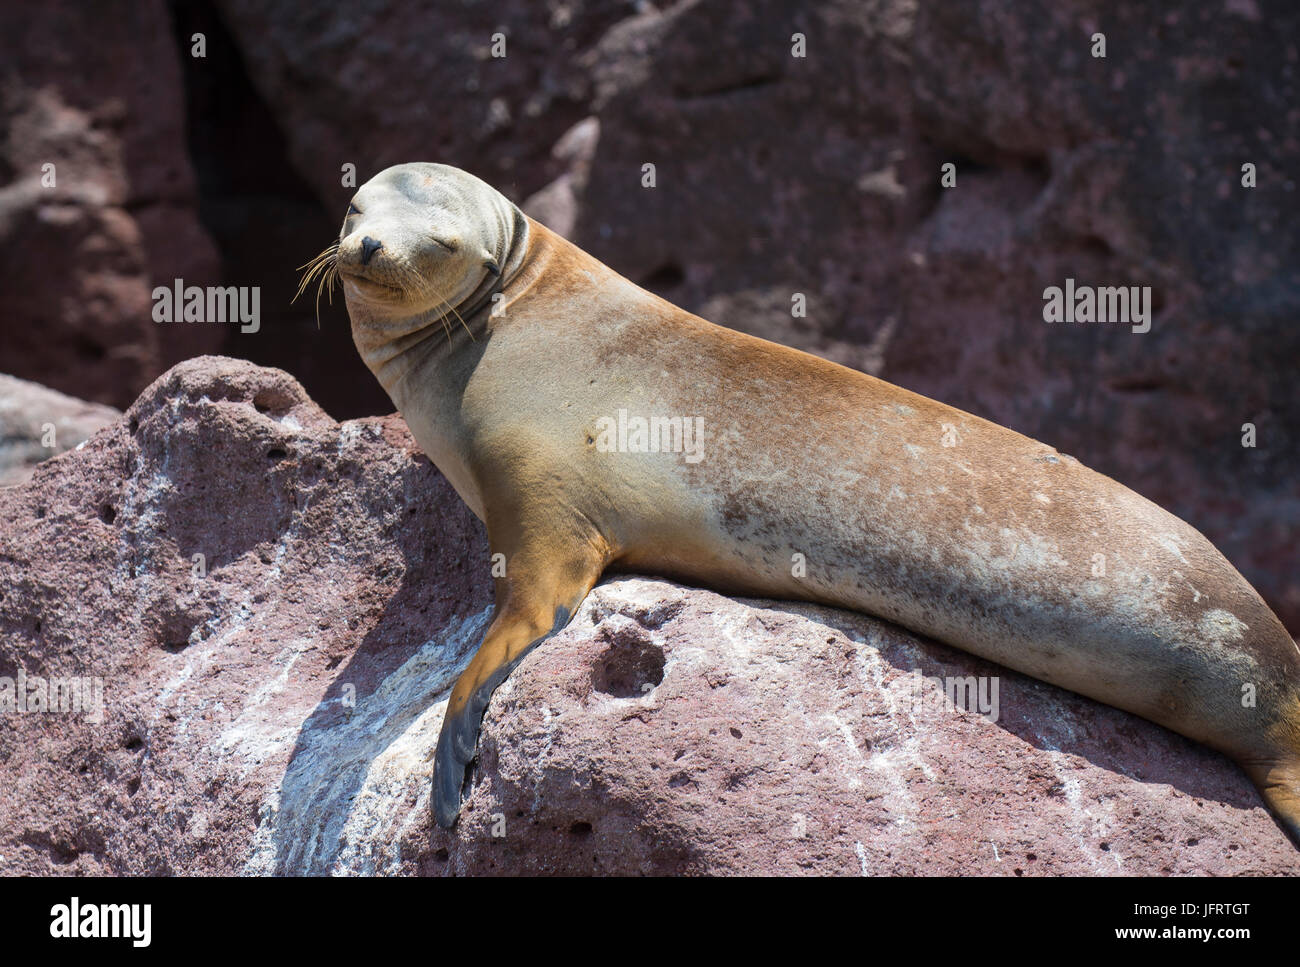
988,544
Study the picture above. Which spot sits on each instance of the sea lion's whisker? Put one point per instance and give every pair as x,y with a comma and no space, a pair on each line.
461,321
313,268
426,289
452,310
324,269
327,254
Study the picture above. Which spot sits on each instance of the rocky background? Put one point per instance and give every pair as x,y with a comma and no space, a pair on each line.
775,175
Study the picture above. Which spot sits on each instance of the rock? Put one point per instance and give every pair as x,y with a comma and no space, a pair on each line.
494,114
226,560
32,416
275,709
556,205
672,730
96,94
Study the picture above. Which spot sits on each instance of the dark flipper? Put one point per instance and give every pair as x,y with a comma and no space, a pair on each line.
460,728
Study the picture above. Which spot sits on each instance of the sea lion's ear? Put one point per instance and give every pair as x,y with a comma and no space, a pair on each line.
491,265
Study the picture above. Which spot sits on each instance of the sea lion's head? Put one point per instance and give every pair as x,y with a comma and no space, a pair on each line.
419,241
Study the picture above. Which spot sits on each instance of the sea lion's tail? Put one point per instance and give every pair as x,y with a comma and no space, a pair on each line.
1277,773
1279,784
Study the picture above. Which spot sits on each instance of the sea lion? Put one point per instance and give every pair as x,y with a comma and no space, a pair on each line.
518,361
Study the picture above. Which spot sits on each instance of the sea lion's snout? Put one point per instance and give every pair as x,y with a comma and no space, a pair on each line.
358,256
370,269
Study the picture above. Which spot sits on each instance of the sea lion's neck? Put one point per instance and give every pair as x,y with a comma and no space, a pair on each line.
426,370
511,254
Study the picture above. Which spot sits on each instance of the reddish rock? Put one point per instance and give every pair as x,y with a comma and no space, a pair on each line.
36,423
336,98
329,553
277,712
675,730
96,92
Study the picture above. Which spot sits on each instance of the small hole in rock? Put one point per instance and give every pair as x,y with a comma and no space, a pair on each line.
631,668
274,401
107,514
276,453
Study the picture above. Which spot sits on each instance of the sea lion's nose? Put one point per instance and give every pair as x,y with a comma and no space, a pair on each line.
368,248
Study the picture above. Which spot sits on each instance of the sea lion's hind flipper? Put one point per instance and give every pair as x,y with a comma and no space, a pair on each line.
1279,784
470,696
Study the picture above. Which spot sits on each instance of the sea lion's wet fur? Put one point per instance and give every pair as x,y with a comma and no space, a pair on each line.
902,507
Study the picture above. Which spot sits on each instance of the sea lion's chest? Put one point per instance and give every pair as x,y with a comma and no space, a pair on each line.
435,423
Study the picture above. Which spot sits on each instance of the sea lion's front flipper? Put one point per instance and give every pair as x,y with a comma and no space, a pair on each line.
544,584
